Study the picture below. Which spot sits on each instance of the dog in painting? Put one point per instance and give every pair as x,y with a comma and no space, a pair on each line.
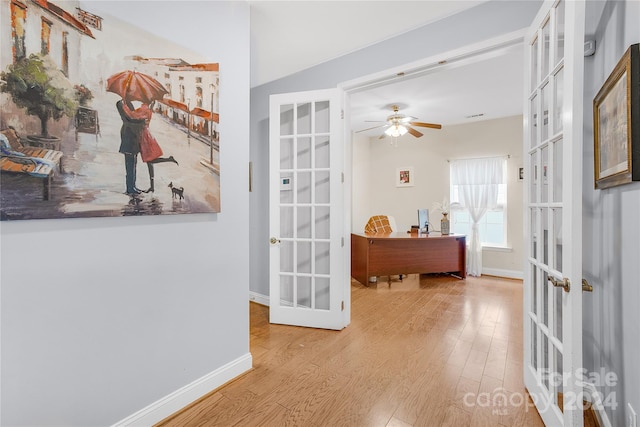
176,192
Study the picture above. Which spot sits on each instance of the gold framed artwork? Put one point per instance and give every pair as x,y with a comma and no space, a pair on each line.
404,177
616,124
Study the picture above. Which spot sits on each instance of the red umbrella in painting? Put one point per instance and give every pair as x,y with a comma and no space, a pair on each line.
135,86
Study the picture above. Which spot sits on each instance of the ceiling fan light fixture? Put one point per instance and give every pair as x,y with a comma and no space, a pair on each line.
396,130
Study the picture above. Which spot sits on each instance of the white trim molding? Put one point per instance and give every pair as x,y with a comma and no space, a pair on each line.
182,397
509,274
259,298
591,395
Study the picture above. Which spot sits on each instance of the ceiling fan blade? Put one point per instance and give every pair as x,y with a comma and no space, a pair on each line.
376,121
375,127
426,125
413,132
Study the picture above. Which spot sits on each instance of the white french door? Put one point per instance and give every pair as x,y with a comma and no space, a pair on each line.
554,65
307,261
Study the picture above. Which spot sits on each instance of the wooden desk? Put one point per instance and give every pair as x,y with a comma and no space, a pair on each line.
404,253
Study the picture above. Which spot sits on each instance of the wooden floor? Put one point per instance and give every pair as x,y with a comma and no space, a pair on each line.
428,351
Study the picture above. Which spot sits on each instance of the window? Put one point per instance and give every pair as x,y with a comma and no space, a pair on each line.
65,53
198,79
198,97
18,18
492,227
45,37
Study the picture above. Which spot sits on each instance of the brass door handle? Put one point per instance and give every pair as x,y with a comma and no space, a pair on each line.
564,283
273,240
586,287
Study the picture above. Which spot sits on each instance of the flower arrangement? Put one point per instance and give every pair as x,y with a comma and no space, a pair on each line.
443,206
83,94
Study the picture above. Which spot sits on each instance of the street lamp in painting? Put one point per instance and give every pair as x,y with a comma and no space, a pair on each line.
188,120
212,87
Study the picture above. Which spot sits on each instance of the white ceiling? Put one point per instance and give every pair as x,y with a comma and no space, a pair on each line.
290,36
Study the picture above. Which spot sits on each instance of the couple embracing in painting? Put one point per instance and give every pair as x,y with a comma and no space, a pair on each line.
135,138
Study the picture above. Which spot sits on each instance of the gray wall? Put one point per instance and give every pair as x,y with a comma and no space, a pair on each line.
104,316
611,230
482,22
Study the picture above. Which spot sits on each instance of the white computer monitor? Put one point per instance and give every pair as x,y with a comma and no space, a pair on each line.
423,220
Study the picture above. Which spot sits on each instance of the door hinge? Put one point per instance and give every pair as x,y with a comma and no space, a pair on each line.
342,242
342,306
342,176
342,114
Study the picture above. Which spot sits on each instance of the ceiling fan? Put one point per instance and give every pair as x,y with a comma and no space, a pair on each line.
399,124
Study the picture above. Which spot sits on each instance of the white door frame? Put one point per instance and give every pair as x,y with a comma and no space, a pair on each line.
432,64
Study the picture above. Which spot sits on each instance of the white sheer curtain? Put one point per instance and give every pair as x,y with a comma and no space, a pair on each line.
478,182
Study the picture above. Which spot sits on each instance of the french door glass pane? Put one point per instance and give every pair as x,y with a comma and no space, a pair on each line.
545,174
286,256
544,213
534,65
558,101
286,153
534,289
286,222
303,187
558,377
304,222
322,258
557,238
535,233
322,187
286,119
544,366
544,308
322,293
322,222
303,297
304,257
533,174
322,152
304,118
546,92
304,153
534,126
534,345
546,34
286,290
557,171
557,307
322,117
559,32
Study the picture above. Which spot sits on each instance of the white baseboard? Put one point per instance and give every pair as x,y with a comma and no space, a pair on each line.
510,274
182,397
259,298
591,395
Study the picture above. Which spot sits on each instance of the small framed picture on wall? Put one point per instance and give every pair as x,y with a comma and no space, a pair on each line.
404,177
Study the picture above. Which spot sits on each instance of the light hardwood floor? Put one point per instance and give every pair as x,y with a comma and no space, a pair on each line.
431,350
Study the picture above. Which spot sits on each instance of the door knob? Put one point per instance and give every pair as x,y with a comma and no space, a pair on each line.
273,240
564,283
586,287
